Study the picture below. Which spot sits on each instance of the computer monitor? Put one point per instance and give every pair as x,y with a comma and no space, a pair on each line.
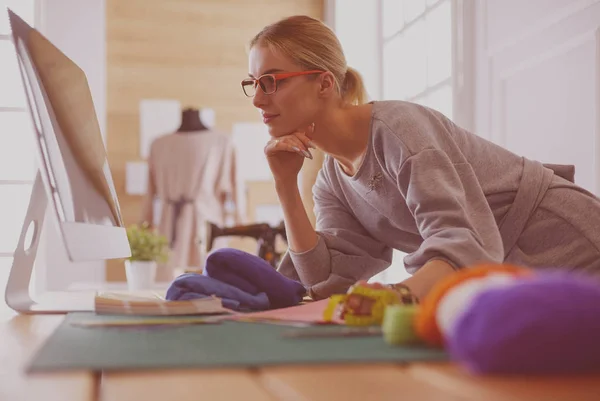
73,178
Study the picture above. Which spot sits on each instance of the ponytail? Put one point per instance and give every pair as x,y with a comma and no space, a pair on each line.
353,88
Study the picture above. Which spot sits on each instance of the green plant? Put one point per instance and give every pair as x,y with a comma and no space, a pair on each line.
147,244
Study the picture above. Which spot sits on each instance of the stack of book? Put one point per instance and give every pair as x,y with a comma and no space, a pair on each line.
152,304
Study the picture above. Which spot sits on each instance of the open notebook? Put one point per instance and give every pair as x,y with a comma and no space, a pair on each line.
151,303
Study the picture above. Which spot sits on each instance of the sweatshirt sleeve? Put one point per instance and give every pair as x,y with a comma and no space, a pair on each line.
451,212
345,253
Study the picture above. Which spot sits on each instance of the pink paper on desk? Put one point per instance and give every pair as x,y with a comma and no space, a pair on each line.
311,312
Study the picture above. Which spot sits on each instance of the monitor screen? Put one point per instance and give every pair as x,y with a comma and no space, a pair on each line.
70,144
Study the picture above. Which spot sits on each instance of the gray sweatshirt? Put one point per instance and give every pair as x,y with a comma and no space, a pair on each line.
425,187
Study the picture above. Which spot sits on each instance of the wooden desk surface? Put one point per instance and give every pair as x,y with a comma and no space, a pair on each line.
20,336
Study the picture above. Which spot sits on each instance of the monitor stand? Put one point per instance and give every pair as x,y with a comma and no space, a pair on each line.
18,296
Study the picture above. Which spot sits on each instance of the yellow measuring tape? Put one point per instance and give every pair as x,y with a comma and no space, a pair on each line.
381,297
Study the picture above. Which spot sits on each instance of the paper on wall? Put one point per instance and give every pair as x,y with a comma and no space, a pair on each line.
157,117
136,178
208,118
249,140
270,214
163,116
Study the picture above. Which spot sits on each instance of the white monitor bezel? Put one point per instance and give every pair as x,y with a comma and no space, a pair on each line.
82,242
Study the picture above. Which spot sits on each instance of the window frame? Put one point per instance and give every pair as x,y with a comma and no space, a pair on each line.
385,40
461,82
37,22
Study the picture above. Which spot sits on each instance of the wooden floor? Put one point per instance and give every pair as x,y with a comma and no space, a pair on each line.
21,335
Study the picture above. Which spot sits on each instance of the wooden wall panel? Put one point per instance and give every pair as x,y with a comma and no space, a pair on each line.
190,50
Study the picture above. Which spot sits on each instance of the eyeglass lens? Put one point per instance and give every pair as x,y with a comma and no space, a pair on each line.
266,82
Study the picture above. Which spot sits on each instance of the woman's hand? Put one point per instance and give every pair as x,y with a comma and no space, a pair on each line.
420,284
286,154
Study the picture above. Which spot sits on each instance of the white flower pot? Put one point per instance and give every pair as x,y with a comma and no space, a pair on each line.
140,274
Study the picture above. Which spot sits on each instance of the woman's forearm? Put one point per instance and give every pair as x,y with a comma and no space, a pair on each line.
427,276
301,236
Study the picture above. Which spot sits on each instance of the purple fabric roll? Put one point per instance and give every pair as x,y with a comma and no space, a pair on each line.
253,275
194,285
549,324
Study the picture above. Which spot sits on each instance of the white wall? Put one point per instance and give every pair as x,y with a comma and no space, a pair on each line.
537,81
77,27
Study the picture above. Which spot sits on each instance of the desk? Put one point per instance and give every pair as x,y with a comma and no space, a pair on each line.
21,335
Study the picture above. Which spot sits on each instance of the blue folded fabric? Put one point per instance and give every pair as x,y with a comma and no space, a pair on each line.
254,276
194,285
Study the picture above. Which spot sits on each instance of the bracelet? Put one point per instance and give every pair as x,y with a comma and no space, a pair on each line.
406,295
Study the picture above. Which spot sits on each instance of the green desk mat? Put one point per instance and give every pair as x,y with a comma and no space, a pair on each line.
228,344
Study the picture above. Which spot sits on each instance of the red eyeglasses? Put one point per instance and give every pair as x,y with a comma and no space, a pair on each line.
268,82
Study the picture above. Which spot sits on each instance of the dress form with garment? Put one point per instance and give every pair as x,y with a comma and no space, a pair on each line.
191,121
191,173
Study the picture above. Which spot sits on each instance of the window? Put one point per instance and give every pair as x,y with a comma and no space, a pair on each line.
417,52
404,50
17,162
416,65
356,26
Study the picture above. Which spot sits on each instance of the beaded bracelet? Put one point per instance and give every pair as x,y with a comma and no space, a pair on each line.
406,295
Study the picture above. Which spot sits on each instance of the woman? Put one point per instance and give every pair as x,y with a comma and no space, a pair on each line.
399,175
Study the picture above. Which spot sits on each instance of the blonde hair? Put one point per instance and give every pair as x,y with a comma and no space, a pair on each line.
314,46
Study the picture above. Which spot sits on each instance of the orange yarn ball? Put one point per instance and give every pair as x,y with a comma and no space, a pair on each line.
425,321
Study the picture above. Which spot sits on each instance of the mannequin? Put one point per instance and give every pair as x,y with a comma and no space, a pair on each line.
192,176
190,121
